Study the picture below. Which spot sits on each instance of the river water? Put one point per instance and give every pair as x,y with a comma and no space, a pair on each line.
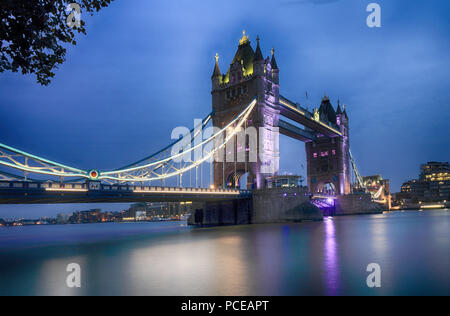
312,258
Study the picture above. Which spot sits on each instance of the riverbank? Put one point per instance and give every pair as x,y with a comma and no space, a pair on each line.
422,206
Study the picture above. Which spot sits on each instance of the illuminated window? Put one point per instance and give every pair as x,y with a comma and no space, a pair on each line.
324,154
315,155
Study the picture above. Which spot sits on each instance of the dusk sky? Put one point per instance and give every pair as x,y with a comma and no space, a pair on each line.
145,67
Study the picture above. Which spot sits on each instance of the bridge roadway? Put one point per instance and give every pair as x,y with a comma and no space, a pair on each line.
21,192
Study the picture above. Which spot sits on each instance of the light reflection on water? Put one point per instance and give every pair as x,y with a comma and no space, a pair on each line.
331,260
317,258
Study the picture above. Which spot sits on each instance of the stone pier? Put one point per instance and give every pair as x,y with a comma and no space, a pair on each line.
283,205
280,205
356,204
266,206
231,212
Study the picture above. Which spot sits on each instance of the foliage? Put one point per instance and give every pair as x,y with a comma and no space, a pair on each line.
33,34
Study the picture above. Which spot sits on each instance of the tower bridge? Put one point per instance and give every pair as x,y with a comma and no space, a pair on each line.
325,132
246,96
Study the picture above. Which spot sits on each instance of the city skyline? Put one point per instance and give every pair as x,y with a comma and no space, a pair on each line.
393,102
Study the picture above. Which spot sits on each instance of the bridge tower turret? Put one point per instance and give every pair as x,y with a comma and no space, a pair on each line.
275,71
249,77
216,77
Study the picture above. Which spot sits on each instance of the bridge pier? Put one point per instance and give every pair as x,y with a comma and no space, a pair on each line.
356,204
278,205
221,213
265,206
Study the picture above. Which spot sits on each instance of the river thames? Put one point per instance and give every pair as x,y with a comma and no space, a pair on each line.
311,258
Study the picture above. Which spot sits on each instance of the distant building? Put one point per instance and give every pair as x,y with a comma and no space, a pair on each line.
286,181
45,221
62,219
2,223
85,217
413,189
27,222
111,217
155,211
115,216
433,184
141,216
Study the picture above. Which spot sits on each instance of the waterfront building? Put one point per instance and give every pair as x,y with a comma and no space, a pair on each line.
27,222
155,211
413,190
437,176
85,217
433,184
115,216
62,218
141,216
185,209
110,217
435,171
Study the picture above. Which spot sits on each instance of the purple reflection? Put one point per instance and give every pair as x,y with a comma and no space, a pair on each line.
331,259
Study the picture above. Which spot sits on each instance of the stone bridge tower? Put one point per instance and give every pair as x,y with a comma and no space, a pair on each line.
249,77
328,158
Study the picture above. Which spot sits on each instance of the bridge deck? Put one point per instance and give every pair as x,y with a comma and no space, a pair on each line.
296,132
19,192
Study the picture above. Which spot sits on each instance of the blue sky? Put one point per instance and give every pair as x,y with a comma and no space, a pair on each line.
145,67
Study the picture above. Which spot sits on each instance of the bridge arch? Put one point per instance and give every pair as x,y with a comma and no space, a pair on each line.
327,188
238,179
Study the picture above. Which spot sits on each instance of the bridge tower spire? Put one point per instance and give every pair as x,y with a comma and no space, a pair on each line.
217,75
